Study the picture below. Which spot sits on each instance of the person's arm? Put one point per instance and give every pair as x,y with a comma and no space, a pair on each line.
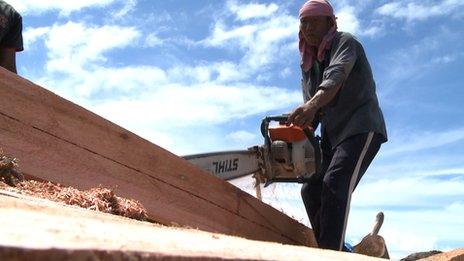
341,63
303,116
8,59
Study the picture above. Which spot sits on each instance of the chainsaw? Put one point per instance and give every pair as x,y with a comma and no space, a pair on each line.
289,154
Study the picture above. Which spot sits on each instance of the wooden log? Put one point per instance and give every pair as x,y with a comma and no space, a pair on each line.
36,229
59,141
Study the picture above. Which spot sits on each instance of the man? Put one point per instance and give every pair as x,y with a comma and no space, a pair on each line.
11,40
339,92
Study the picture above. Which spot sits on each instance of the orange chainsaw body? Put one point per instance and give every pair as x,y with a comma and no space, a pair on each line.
286,133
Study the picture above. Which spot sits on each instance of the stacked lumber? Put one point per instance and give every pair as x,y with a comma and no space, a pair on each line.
61,142
38,229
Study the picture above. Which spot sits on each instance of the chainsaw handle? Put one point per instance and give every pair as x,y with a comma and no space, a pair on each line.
265,123
265,126
282,119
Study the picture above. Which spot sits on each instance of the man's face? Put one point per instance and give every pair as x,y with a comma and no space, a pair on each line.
314,28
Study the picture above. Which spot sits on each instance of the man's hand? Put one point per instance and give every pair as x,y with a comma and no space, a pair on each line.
303,115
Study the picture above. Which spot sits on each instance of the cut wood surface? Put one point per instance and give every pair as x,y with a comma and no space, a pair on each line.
38,229
59,141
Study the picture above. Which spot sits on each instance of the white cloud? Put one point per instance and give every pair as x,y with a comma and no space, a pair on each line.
219,72
213,104
152,40
417,166
228,71
456,207
242,136
373,31
389,9
263,42
423,141
191,74
125,80
31,35
443,171
126,8
221,36
33,7
420,10
448,58
419,154
411,191
418,60
285,72
267,47
404,241
248,11
347,20
280,27
438,164
72,45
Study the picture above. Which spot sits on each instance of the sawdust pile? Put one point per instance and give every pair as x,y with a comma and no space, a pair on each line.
99,199
8,172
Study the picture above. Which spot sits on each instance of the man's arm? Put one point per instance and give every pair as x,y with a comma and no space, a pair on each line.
8,59
341,63
304,114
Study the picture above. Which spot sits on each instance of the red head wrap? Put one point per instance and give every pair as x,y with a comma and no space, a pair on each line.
316,8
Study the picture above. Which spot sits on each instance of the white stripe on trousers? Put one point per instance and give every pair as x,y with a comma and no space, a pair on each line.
354,178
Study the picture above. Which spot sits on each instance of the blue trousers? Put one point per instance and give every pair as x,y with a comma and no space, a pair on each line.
327,197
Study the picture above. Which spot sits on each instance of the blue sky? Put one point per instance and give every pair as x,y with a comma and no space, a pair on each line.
198,76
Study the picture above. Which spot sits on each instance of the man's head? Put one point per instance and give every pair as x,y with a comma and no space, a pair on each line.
316,20
314,28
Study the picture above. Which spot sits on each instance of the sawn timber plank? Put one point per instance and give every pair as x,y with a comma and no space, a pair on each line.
53,159
50,114
34,229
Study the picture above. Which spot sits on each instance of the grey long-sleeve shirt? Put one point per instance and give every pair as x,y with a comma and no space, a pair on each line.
355,109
